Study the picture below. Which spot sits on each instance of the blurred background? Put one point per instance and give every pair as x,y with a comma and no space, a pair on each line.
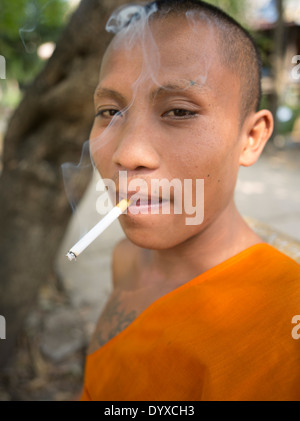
50,53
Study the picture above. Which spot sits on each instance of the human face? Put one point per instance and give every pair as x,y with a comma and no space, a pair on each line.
176,118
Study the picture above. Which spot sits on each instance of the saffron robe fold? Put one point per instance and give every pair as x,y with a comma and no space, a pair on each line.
224,335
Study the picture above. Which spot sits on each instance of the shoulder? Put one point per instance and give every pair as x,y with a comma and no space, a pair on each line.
118,312
278,278
269,266
124,259
282,262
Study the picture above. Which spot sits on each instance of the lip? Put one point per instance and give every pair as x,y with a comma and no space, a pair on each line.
143,204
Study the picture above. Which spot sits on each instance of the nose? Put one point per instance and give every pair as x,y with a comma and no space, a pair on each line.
135,147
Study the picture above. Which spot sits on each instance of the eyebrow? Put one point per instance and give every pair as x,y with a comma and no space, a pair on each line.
180,88
162,90
106,92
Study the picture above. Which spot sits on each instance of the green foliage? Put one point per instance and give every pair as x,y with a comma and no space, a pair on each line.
234,8
266,47
286,127
24,25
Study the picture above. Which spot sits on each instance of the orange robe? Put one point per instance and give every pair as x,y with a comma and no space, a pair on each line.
224,335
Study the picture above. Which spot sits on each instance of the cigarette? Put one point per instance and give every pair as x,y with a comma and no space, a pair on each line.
105,222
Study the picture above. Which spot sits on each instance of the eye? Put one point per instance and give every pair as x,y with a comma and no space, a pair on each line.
108,113
180,113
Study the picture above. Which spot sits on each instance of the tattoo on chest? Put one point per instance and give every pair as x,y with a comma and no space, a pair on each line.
113,320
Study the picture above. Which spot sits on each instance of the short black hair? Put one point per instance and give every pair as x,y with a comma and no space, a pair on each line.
238,49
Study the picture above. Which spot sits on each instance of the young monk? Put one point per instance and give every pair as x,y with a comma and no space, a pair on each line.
199,311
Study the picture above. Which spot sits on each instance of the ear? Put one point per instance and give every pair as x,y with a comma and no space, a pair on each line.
257,130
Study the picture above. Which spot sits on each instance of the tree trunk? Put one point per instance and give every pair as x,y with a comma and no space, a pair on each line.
48,128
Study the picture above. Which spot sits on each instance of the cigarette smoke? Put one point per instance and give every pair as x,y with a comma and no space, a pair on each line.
35,14
132,26
72,173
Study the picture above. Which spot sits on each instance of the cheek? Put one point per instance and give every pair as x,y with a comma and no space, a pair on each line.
102,156
101,149
213,157
198,155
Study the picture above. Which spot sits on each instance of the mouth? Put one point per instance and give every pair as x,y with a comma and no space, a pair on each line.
143,204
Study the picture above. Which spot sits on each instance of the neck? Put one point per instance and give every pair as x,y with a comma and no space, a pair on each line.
223,238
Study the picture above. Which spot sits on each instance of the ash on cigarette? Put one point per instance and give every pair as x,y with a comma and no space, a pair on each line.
48,361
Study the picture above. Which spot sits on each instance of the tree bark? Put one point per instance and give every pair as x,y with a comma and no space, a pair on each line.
47,129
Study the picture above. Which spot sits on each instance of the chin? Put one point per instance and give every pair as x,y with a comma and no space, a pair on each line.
159,235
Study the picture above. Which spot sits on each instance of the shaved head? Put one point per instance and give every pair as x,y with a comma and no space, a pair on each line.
237,49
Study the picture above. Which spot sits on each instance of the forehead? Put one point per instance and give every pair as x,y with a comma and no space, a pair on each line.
172,48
